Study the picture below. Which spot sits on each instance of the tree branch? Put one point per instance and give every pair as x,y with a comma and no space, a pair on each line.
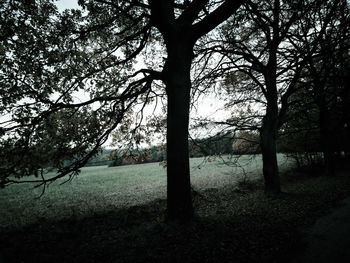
219,15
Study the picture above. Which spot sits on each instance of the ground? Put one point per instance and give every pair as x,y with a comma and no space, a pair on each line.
328,240
231,225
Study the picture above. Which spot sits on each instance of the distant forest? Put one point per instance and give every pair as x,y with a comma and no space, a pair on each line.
215,145
244,142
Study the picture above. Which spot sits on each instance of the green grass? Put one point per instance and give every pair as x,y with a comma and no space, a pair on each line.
106,216
102,189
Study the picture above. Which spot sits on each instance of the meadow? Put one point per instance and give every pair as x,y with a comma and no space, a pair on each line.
117,215
101,189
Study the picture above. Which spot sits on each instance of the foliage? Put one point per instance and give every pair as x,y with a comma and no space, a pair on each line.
220,144
317,121
72,80
92,52
100,159
47,60
246,143
266,50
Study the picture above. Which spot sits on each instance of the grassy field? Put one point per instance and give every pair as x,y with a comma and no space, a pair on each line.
101,189
117,215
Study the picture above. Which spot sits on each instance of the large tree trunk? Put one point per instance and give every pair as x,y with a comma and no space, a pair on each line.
269,155
178,86
180,34
268,134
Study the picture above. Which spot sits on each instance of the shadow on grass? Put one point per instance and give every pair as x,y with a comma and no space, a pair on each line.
136,236
229,227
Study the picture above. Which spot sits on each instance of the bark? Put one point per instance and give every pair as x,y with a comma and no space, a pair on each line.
178,86
269,155
269,129
268,134
180,35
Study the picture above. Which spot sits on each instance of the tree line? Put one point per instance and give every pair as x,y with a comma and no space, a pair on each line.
219,144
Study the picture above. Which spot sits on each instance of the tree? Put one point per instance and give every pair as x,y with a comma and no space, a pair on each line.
299,134
326,71
47,56
265,69
246,143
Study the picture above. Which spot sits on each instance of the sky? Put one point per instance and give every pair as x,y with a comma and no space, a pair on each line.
66,4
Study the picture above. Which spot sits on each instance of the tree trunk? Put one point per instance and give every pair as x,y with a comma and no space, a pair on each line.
269,156
176,76
268,134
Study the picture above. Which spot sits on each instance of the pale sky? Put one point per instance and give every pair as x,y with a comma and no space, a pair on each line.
66,4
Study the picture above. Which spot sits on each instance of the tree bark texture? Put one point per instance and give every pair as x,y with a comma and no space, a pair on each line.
177,79
180,35
269,129
268,134
269,155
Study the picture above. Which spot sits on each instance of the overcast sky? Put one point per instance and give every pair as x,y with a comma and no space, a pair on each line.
66,4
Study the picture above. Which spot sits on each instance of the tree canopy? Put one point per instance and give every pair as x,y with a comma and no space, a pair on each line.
49,57
71,80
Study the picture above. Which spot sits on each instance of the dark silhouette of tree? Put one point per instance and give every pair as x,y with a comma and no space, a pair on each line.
326,70
263,66
48,57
